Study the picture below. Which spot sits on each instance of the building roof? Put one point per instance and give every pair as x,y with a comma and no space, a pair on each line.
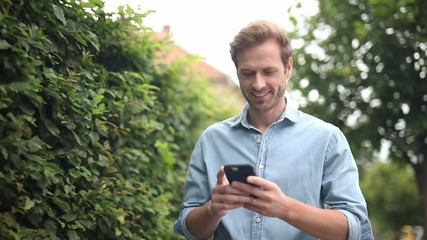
222,83
177,52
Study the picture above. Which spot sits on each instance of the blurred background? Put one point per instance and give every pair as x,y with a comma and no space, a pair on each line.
359,64
101,103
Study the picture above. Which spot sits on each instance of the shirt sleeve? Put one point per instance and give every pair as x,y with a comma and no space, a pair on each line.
180,228
340,187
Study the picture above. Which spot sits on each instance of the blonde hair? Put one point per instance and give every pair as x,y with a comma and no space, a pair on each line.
258,32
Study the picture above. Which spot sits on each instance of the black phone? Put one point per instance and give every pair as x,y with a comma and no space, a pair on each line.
239,172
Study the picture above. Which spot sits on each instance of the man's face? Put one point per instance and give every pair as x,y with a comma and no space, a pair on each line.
263,76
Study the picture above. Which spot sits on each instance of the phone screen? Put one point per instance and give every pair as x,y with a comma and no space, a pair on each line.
239,172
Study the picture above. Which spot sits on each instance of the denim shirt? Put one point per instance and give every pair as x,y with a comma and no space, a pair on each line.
309,159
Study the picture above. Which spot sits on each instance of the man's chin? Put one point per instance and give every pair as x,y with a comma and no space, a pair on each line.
259,105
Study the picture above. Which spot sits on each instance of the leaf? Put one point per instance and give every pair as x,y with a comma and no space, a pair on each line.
99,109
107,145
165,153
28,204
20,87
72,235
49,172
92,4
70,217
4,45
37,63
97,99
120,215
4,152
8,219
293,20
49,73
34,144
51,127
75,173
103,160
88,74
26,107
110,170
76,137
61,204
59,14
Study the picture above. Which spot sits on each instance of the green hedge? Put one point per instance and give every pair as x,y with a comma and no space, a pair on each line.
94,137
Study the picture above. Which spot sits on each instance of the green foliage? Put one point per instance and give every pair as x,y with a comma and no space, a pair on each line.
188,109
371,70
392,197
94,138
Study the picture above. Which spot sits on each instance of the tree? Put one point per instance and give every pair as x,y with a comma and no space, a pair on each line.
363,67
391,192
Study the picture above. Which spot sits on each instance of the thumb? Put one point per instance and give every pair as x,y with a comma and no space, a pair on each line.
221,178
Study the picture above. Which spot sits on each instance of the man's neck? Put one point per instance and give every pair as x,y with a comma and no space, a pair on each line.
261,120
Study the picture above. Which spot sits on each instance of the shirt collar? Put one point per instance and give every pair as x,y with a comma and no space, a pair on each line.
290,113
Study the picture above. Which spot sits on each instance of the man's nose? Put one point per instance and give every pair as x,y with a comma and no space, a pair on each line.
258,82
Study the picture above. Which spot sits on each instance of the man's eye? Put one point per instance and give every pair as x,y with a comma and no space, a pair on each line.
269,73
246,73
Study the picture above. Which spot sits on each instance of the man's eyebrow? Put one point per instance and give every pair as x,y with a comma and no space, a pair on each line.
245,70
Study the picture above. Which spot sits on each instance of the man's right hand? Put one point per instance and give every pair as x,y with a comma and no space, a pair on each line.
224,197
202,221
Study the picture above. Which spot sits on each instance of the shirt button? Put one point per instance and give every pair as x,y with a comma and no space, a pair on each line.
258,140
261,166
258,220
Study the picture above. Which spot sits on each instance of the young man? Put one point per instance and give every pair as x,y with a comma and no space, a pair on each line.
307,180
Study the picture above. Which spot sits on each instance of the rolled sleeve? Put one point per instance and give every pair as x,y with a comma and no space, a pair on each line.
179,226
358,226
354,229
342,191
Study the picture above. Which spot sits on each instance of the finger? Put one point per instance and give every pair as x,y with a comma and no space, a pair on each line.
231,202
246,187
226,191
227,206
220,177
259,182
249,189
234,199
255,204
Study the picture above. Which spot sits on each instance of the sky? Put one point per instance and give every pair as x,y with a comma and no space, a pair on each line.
206,27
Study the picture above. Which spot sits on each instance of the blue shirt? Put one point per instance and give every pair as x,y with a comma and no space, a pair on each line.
309,159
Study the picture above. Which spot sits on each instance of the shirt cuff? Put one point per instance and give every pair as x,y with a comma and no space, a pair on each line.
180,226
354,228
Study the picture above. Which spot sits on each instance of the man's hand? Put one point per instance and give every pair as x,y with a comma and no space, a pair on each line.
267,198
203,221
225,197
270,201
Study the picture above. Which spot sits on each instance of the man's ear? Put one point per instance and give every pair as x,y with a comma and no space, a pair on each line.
289,68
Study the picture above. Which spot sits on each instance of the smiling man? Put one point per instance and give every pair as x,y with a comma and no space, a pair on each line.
306,184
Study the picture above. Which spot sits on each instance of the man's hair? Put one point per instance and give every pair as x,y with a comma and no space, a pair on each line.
258,32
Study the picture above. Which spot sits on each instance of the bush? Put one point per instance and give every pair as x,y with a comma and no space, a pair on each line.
94,137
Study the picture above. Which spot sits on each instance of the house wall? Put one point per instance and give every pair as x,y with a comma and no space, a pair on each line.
225,89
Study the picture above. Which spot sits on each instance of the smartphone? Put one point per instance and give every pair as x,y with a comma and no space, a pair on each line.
239,172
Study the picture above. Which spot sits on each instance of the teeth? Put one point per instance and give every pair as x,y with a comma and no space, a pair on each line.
260,94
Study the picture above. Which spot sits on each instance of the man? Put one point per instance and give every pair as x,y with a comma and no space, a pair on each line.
307,180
